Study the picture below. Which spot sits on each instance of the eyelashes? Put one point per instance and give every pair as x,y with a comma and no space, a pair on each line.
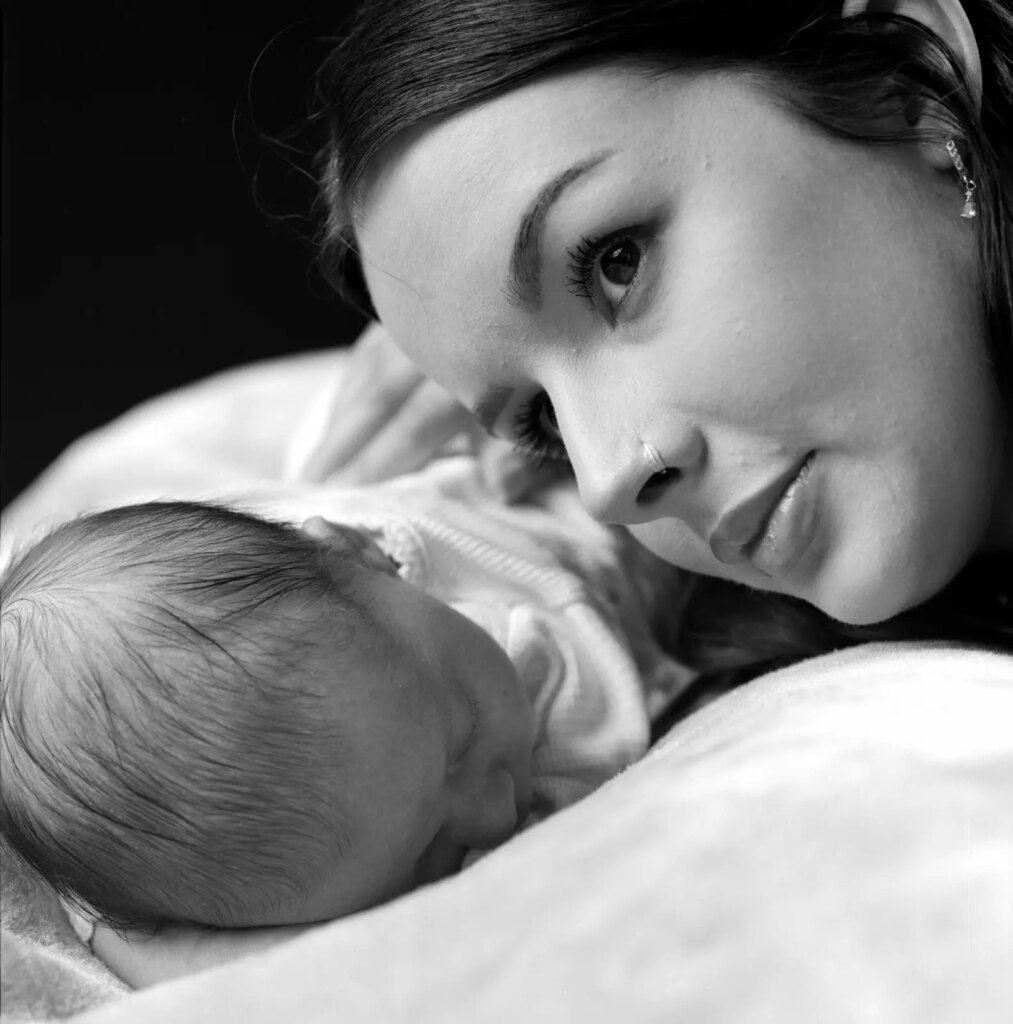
536,434
581,267
605,271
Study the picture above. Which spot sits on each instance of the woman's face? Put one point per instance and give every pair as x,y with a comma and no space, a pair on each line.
632,269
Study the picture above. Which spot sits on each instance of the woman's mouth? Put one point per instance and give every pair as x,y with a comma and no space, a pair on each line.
788,530
773,527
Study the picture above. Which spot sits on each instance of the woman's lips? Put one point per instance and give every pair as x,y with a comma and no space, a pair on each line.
789,531
773,527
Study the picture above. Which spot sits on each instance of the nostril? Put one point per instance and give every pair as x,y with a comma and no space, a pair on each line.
656,485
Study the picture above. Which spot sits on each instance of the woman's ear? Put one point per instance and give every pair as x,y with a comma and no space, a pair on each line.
946,18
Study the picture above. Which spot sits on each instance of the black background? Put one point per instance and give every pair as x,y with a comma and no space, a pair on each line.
150,233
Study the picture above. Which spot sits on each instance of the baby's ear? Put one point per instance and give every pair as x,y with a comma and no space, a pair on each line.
319,528
349,543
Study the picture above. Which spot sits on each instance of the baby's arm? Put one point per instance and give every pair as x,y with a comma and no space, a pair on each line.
143,960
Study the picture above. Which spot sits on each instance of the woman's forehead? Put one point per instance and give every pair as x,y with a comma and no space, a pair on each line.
536,123
507,131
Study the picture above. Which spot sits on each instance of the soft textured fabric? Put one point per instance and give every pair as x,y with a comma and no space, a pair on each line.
45,971
832,843
230,428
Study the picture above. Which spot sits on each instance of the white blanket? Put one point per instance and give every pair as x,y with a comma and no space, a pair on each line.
832,843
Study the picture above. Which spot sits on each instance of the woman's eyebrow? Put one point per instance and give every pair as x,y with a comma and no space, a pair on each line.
523,283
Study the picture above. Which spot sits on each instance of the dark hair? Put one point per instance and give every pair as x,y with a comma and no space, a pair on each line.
155,707
403,63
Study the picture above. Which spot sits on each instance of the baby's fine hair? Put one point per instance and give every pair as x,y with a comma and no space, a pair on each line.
159,687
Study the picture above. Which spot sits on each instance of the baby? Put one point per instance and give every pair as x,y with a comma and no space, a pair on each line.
219,718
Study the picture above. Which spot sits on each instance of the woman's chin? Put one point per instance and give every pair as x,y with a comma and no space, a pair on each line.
876,595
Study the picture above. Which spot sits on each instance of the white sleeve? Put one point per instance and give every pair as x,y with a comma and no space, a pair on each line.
590,710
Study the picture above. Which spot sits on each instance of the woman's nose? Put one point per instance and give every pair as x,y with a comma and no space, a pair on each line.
647,475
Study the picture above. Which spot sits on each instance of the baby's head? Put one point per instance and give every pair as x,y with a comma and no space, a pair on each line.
212,718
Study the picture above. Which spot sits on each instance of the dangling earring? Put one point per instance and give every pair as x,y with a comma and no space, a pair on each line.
970,210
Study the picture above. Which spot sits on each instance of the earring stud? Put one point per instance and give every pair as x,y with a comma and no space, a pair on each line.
970,210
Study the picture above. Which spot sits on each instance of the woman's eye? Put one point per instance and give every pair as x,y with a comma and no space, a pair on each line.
536,430
620,264
604,271
547,419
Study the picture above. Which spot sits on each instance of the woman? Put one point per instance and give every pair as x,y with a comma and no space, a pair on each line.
712,254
